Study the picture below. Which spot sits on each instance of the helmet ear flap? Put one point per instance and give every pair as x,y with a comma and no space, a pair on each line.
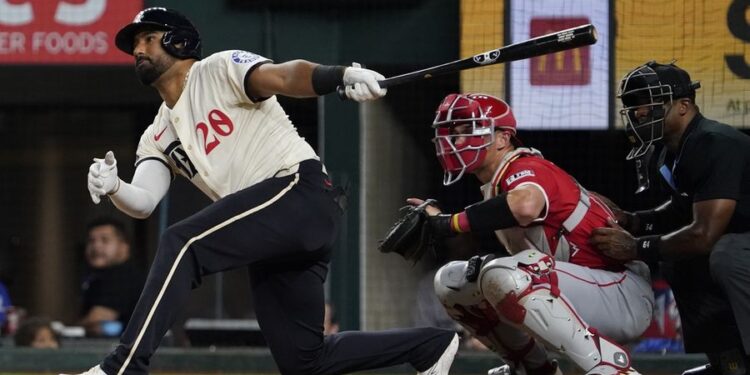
182,43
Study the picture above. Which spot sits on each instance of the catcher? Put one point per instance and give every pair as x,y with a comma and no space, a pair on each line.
556,292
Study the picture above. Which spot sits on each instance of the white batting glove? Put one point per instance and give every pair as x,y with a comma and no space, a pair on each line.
102,178
362,84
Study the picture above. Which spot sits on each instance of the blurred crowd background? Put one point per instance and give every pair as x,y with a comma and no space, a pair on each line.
68,95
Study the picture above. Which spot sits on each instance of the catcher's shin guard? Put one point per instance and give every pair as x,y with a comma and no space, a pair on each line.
523,290
464,303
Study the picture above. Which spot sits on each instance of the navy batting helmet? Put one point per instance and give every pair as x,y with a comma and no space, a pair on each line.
179,31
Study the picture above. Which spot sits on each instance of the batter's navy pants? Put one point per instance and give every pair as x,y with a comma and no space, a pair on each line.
282,230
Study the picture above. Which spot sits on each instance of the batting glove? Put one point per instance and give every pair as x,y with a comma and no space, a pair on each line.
102,178
362,84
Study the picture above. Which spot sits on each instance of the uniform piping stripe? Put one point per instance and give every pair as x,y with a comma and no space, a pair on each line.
182,252
501,174
615,282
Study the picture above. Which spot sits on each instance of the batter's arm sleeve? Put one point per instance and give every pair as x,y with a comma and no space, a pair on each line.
150,183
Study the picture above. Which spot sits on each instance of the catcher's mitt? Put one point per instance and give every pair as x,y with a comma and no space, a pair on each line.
410,236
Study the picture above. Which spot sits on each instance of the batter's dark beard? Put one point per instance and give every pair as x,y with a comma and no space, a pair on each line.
148,74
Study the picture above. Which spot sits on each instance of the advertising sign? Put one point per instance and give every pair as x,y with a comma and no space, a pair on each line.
568,89
64,31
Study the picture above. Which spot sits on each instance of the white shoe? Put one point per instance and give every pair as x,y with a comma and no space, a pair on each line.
610,370
443,364
502,370
96,370
507,370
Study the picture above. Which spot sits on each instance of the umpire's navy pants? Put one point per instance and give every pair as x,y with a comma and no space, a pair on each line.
283,230
713,296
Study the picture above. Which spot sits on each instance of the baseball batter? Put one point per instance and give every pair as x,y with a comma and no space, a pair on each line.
274,212
555,292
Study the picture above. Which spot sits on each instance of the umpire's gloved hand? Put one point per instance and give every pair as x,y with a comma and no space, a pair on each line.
102,178
362,84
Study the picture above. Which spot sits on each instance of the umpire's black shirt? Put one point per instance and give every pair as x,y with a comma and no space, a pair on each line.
712,162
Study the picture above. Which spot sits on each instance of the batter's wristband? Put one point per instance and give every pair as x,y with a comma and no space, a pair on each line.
325,78
648,249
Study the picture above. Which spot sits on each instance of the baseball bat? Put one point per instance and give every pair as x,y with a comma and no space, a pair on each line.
575,37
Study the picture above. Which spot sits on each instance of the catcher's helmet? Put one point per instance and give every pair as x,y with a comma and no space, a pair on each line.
483,114
647,88
179,30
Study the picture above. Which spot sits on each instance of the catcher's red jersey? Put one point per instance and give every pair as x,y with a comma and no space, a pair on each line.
562,194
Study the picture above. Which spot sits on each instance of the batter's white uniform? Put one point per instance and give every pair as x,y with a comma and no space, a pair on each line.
217,137
275,213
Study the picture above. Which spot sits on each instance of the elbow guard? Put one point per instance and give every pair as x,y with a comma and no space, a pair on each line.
491,215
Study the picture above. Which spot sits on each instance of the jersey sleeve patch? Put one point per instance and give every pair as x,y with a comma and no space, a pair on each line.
244,57
519,175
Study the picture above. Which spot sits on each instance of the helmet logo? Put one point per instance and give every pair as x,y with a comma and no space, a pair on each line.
141,14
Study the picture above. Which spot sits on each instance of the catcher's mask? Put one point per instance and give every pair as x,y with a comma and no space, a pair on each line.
465,127
180,40
644,92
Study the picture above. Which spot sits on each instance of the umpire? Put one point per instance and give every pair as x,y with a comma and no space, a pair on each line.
701,235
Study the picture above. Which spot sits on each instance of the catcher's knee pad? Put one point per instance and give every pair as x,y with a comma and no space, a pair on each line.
503,281
462,300
523,290
452,288
457,290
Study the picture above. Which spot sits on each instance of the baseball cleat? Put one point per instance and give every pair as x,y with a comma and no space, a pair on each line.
700,370
550,368
96,370
443,364
502,370
611,370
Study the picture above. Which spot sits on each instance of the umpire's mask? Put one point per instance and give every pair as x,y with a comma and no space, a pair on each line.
644,91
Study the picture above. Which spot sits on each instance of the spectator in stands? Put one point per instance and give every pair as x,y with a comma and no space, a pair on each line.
5,305
37,332
114,283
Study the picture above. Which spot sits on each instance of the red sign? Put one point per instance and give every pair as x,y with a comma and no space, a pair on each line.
64,31
571,67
